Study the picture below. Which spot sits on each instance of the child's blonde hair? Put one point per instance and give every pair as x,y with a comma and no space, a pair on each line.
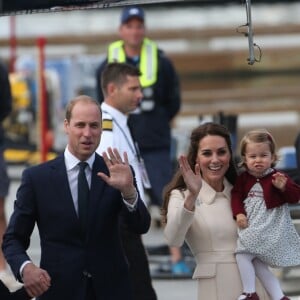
257,136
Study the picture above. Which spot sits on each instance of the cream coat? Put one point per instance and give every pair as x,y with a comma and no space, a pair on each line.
211,234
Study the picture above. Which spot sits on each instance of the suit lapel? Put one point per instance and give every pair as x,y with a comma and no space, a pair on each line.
61,185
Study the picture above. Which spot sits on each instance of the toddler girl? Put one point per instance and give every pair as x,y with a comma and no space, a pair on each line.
266,234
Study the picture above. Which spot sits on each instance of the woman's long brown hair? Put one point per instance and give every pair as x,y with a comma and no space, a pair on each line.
197,135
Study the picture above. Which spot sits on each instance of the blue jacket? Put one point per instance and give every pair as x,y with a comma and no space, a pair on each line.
44,198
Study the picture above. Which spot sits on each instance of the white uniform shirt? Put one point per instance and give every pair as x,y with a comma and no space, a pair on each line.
116,134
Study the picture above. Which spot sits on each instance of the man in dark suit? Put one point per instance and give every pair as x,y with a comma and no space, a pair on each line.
77,262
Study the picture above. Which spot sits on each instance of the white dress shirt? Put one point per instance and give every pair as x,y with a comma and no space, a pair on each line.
120,137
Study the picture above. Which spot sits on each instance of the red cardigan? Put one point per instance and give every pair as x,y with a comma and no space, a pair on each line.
272,196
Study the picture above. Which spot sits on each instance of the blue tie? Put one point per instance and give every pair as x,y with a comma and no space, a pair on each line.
83,196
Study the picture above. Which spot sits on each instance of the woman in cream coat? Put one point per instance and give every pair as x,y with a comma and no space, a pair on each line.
197,209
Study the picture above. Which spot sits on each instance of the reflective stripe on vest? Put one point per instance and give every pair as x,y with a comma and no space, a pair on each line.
148,62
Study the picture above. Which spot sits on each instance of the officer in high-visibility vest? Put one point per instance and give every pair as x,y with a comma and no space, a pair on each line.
151,121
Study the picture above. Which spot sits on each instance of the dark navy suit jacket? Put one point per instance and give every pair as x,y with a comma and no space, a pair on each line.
44,198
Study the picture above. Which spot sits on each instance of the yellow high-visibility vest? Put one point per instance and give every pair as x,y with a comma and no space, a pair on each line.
148,61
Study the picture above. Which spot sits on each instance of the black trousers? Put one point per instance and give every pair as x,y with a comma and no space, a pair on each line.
17,295
138,266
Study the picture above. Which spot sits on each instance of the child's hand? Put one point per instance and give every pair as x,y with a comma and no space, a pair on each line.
279,181
241,221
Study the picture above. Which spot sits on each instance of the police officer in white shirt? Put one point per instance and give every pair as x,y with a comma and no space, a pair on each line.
116,134
122,94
